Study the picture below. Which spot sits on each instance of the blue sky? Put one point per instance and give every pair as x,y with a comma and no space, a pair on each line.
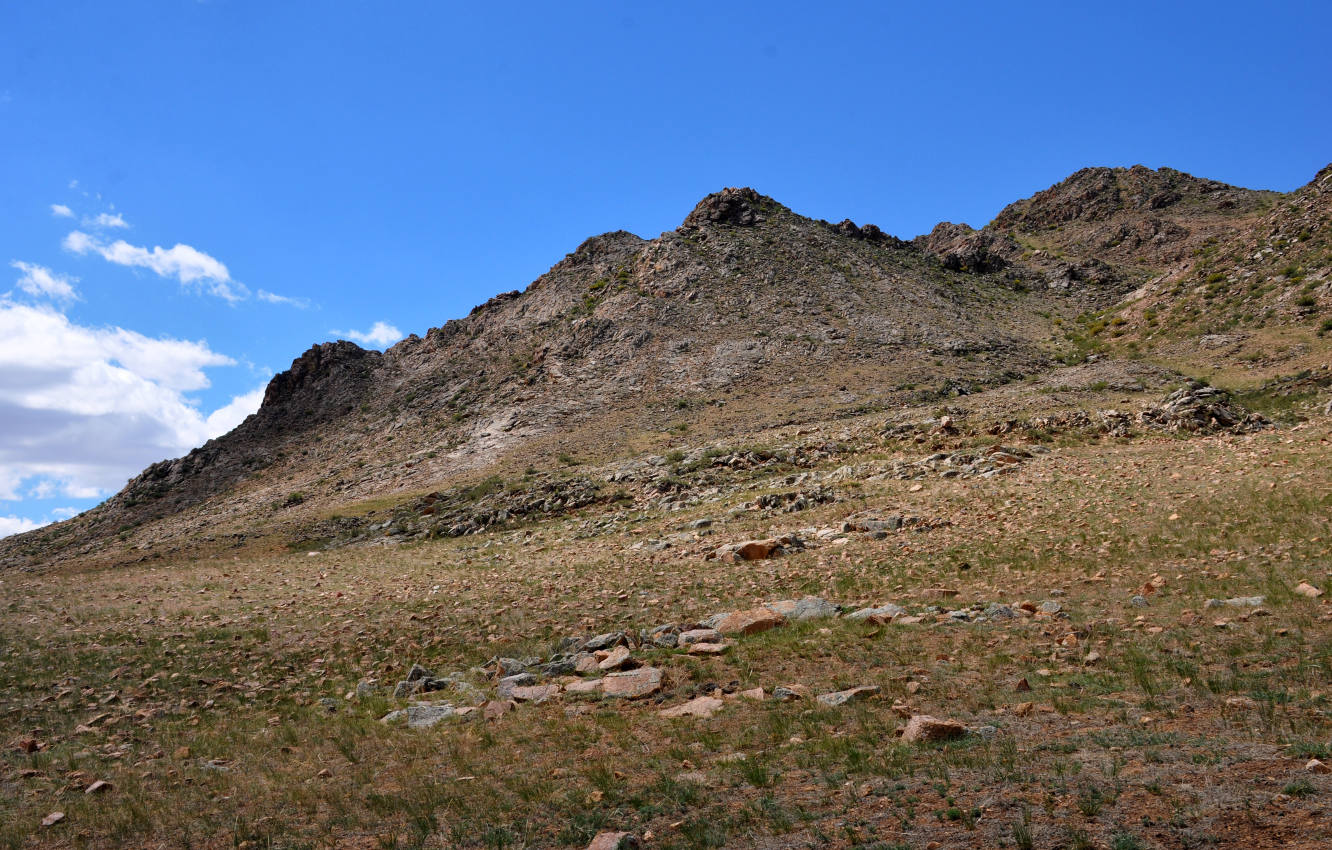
192,193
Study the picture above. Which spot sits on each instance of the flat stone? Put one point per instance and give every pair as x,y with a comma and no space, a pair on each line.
534,693
1306,589
749,622
614,841
923,727
1316,766
837,698
755,694
709,648
632,684
497,708
1237,602
422,715
584,686
997,611
748,550
618,658
808,608
703,707
508,683
789,693
605,641
1049,606
586,662
699,636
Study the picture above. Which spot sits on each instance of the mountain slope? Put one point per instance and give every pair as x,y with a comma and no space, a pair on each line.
746,314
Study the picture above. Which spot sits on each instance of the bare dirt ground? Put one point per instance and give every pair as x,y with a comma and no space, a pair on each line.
217,696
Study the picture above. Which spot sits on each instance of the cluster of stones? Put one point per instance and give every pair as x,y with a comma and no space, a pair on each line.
457,513
604,665
986,463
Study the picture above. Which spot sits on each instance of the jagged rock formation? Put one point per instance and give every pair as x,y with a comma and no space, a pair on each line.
747,313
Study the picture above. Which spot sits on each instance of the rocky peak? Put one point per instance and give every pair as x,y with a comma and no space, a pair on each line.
597,247
317,366
1098,194
734,207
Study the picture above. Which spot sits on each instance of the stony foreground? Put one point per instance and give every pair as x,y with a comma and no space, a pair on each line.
1118,643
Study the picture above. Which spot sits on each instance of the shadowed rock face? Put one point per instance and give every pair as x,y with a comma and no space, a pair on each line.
327,381
320,380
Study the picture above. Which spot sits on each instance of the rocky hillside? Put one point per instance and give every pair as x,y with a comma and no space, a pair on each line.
746,315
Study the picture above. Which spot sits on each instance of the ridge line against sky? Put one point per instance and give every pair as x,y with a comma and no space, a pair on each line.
195,192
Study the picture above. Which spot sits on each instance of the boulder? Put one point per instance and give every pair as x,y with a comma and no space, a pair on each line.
703,707
808,608
850,695
534,693
923,727
614,841
749,622
882,612
632,684
618,658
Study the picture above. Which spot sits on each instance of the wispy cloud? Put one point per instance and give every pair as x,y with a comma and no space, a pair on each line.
61,211
108,221
42,282
187,264
380,335
274,298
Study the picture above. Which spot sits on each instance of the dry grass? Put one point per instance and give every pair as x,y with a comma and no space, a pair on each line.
229,655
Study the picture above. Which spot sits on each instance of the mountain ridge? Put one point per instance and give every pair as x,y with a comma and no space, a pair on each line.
741,302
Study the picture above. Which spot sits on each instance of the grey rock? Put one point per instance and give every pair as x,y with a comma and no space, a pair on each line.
711,622
997,611
605,641
1237,602
1049,606
404,689
667,635
519,680
329,704
366,688
1139,601
808,608
422,715
987,732
558,667
512,666
419,672
700,636
468,693
887,610
569,644
782,694
850,695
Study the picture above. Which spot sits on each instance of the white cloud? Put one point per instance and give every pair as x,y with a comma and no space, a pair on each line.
274,298
41,281
17,525
83,409
187,264
106,220
61,211
380,334
65,513
223,419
